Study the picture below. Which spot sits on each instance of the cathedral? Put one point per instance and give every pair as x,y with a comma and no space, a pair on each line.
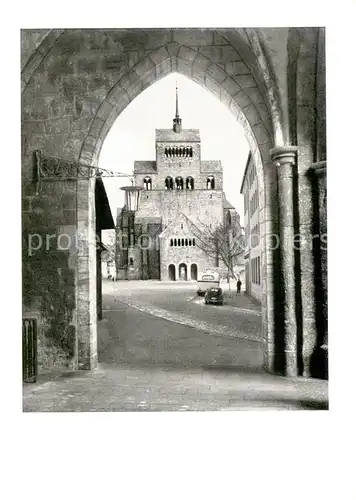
181,195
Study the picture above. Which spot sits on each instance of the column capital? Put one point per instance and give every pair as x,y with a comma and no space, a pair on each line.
284,155
318,168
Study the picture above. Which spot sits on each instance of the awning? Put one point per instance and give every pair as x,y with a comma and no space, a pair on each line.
104,219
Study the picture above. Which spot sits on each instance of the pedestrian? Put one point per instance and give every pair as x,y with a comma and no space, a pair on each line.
238,286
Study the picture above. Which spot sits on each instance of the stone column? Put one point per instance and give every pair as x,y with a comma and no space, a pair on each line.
284,159
319,169
86,275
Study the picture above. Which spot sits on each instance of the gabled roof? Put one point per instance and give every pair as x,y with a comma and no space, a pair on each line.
249,159
227,205
181,216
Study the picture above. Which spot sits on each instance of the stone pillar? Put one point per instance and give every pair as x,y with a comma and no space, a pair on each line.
319,170
86,275
284,159
273,351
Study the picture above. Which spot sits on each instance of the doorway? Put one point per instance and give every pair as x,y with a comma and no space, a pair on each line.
194,272
172,272
183,272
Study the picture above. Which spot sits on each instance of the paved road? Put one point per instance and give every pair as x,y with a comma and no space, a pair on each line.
149,363
179,302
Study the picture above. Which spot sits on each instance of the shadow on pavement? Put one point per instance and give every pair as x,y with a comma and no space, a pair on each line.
303,404
235,369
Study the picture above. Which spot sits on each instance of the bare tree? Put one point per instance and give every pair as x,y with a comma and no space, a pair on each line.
110,254
222,243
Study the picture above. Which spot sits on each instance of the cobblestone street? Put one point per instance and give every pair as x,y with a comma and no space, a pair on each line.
160,349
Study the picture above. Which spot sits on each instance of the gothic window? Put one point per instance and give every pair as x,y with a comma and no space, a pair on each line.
179,183
168,184
210,182
189,183
147,183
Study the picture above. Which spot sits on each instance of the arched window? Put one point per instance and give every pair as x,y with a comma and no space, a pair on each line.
210,182
175,242
189,182
147,183
168,183
190,242
179,242
179,183
186,242
193,242
171,242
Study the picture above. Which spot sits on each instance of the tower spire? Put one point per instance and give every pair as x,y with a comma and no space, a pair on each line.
177,111
177,121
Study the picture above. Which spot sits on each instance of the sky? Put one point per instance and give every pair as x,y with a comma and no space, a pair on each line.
132,136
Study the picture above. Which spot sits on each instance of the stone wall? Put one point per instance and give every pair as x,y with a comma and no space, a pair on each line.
205,205
49,265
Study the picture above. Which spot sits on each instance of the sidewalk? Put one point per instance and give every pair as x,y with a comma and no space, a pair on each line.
110,388
239,300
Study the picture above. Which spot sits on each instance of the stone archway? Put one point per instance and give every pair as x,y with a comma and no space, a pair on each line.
172,272
182,272
194,272
77,83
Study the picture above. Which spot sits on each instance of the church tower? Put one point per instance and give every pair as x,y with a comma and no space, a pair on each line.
180,192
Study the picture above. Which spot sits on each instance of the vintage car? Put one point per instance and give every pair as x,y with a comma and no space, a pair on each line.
206,280
214,295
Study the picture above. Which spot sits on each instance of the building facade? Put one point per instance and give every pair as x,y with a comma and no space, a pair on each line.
249,189
181,195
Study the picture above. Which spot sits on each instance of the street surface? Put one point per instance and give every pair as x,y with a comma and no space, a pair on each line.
162,349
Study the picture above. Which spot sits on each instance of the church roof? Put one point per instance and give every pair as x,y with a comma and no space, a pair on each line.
181,216
145,167
186,135
227,205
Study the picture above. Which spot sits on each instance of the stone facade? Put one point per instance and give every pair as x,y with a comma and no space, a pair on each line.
180,194
249,189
